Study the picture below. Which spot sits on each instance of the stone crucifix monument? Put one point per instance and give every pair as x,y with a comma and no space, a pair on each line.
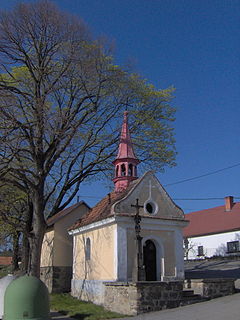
138,273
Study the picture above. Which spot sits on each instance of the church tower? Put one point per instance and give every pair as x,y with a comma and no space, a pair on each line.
126,162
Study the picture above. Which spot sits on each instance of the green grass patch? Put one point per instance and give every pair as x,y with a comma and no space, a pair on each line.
67,305
4,271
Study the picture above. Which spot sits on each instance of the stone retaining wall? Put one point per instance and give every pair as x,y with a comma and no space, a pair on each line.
140,297
211,288
88,290
57,279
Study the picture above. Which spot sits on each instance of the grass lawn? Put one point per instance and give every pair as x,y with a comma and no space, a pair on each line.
75,308
4,271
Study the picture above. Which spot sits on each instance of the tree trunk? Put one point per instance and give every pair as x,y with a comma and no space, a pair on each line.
35,248
36,236
15,260
25,243
25,253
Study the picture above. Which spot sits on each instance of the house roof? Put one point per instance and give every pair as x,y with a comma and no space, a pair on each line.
212,221
5,261
51,221
101,210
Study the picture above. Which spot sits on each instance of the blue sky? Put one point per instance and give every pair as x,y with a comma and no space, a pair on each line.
193,45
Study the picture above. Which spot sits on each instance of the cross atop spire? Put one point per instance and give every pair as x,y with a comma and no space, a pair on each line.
126,161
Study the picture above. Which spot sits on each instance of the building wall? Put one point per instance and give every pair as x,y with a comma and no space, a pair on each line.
47,249
212,244
63,242
165,232
150,190
57,253
169,255
101,265
165,247
167,237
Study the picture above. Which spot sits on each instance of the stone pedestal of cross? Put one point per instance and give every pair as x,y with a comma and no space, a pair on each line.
138,273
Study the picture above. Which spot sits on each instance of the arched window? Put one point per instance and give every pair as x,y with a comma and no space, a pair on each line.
88,249
130,170
123,170
135,171
116,171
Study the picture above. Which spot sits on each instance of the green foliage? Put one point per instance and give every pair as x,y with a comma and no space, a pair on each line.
77,309
12,208
5,270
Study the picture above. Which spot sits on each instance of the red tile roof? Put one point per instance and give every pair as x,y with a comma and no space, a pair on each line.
5,261
211,221
64,212
102,209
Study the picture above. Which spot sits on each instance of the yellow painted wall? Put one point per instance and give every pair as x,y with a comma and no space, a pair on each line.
101,264
57,247
47,249
63,242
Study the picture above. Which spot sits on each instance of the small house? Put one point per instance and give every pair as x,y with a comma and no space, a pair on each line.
213,232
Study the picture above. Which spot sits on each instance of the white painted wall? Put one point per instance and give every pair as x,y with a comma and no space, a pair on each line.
120,254
212,245
179,254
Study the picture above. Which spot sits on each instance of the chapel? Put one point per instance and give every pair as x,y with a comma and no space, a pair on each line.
132,234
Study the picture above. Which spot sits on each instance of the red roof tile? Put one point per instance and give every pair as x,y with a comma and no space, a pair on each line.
101,211
5,261
211,221
64,212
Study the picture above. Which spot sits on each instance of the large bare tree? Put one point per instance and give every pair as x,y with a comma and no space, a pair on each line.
61,98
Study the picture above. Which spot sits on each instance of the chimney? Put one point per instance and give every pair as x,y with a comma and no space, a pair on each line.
228,203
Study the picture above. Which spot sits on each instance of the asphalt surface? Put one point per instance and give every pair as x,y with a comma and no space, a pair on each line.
57,316
219,268
224,308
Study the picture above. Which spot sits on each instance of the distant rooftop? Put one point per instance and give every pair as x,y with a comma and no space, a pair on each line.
219,219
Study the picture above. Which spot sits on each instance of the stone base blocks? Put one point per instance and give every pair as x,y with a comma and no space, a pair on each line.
57,279
140,297
211,288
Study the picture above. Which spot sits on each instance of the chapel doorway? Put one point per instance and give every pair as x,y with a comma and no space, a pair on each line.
149,260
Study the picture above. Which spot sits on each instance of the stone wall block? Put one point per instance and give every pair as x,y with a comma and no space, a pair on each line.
142,297
213,288
57,279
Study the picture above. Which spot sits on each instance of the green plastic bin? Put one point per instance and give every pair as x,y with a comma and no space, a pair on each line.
26,298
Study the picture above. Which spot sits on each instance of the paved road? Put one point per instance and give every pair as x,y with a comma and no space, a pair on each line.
219,268
225,308
57,316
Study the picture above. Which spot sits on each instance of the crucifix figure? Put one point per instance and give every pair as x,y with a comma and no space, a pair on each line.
138,270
